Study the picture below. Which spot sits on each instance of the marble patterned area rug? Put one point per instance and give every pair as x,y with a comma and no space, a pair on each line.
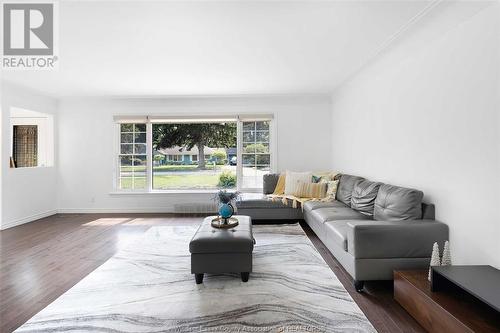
148,287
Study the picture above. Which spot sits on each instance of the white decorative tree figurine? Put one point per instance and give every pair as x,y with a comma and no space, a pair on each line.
446,260
434,258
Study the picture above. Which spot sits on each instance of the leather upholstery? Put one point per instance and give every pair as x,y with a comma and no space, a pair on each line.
337,214
312,205
210,240
394,239
346,185
222,250
394,203
269,182
337,232
363,196
257,200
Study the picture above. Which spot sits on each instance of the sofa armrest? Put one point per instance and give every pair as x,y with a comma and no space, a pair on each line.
394,239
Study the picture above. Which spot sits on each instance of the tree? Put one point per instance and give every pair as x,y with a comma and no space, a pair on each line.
446,260
219,155
158,157
435,261
221,135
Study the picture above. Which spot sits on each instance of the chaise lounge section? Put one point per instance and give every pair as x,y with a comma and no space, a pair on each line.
371,228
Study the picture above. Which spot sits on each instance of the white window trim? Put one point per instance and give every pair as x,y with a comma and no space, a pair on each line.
150,120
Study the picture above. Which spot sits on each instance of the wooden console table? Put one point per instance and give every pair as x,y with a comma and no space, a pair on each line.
450,310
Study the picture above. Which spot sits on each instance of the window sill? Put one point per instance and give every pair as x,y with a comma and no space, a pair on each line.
169,192
165,192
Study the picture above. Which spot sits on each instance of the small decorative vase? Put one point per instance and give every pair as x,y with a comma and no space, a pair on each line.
226,210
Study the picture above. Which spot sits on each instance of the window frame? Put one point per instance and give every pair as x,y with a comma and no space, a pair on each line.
149,120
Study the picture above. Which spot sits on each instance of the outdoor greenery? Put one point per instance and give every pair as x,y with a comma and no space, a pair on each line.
221,135
258,148
220,157
227,179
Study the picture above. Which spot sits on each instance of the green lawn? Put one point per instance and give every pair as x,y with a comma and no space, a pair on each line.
196,181
166,168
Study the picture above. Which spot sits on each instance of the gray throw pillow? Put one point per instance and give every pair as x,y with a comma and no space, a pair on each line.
270,181
394,203
363,196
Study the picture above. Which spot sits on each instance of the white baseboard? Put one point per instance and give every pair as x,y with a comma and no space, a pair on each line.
143,210
28,219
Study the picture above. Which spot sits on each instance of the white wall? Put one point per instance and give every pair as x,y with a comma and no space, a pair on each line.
425,114
86,141
27,193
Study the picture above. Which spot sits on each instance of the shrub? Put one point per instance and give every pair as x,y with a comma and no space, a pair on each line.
219,156
256,148
227,179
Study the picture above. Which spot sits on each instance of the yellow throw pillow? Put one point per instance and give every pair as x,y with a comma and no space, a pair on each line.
310,190
280,185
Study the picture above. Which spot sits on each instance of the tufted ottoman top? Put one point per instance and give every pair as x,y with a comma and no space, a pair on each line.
212,240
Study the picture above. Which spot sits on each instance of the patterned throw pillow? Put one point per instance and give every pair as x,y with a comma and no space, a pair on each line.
311,190
292,179
331,190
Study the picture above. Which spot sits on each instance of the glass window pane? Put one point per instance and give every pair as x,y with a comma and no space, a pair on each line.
140,148
263,159
248,136
127,138
126,128
126,183
140,183
126,149
140,128
262,125
248,159
262,136
249,126
125,161
140,137
249,148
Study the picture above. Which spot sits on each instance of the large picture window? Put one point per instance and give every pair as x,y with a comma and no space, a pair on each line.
194,154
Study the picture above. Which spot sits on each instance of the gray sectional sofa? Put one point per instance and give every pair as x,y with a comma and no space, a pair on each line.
371,228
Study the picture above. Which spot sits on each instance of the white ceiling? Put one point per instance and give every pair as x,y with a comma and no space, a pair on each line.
215,48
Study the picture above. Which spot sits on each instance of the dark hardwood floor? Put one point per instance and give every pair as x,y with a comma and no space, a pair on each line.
40,261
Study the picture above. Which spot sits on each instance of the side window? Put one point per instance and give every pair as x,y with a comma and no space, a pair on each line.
133,156
256,153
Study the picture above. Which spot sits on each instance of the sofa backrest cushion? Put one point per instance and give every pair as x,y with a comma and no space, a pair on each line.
363,196
394,203
346,185
269,182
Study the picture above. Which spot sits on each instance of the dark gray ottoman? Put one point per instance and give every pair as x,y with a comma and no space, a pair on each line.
218,251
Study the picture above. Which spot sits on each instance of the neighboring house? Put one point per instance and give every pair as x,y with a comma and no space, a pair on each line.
181,155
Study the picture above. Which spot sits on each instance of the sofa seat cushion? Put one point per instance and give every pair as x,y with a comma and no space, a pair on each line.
312,205
336,231
337,214
257,200
394,203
